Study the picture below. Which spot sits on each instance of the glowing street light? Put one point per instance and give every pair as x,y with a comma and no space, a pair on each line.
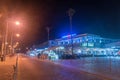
17,35
17,23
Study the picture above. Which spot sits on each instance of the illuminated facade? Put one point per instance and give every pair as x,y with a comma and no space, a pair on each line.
83,40
84,44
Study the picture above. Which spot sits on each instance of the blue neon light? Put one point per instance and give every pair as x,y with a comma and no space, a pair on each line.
68,36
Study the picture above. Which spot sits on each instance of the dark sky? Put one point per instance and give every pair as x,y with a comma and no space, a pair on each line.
100,17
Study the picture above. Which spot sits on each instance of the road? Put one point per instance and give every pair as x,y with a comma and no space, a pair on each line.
34,69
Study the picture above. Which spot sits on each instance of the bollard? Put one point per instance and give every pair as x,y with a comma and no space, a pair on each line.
2,58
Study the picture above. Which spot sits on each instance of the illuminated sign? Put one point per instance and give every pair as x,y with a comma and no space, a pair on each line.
88,44
84,44
67,36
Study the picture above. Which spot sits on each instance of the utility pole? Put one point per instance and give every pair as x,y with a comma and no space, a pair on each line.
70,14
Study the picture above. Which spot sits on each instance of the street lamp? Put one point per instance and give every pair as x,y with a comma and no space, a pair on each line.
5,42
70,14
4,48
17,35
17,23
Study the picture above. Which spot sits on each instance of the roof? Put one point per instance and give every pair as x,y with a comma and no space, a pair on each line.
80,35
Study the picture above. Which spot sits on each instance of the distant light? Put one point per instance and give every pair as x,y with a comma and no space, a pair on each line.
56,57
113,47
90,44
9,46
32,54
86,39
61,47
46,48
79,51
84,44
17,42
68,36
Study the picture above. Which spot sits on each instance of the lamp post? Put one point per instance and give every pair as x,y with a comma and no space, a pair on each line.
6,38
17,23
70,14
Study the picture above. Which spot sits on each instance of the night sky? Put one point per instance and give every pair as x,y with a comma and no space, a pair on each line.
101,17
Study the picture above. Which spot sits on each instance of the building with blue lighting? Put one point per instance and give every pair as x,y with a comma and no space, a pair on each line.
83,45
83,40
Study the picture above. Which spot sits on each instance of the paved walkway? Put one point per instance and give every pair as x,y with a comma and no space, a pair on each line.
34,69
107,67
6,68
